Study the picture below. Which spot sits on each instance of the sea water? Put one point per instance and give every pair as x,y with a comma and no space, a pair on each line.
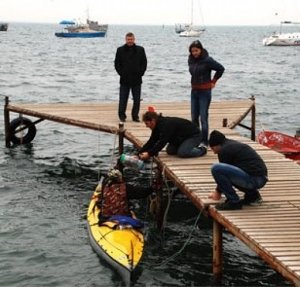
45,186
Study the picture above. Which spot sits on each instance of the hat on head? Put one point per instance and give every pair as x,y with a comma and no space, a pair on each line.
216,138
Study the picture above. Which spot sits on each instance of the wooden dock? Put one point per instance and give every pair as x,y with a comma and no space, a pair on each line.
272,229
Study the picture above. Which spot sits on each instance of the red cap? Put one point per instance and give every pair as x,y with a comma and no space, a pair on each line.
151,109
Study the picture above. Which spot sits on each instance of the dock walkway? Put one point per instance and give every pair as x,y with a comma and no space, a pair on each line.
272,229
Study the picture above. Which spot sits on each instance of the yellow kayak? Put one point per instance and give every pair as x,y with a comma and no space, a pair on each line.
119,240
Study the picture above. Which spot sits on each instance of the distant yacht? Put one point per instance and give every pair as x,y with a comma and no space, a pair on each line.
189,30
283,39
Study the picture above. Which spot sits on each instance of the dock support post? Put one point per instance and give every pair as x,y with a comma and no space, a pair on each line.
253,119
225,123
217,251
6,123
121,137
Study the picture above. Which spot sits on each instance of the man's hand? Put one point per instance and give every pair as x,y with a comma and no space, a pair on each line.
216,195
144,156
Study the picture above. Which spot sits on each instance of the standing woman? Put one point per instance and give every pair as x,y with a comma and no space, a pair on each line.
201,66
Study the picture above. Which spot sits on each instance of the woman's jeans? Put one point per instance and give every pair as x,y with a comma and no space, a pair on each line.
200,102
226,176
188,148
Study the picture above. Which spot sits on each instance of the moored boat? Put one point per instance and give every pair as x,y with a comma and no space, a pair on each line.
189,30
118,240
283,143
286,39
72,29
180,27
3,26
283,39
94,25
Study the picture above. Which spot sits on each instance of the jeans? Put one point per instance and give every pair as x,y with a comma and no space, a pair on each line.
226,176
187,148
200,102
123,99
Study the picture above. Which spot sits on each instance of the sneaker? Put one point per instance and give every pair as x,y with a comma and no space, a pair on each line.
136,120
229,205
257,202
252,200
202,149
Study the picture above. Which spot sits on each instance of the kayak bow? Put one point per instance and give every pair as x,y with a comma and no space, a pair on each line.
119,240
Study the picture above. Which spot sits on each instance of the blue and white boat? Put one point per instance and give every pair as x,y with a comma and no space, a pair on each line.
72,29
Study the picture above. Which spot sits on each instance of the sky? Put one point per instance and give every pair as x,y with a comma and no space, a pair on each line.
152,12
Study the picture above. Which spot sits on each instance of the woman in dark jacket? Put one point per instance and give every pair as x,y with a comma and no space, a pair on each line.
201,66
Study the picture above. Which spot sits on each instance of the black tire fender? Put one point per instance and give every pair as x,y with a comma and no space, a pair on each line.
22,130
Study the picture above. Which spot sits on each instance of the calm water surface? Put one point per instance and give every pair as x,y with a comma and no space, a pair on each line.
45,187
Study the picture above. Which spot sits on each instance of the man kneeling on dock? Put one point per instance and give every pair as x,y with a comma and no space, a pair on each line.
240,167
182,136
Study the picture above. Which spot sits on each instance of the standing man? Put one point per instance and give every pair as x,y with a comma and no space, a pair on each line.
130,64
240,167
182,136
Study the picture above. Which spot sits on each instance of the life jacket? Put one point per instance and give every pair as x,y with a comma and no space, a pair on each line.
113,200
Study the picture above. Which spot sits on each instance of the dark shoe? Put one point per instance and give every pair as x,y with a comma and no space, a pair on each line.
136,120
202,149
229,205
252,200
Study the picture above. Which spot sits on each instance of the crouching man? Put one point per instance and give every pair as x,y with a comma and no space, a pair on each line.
181,136
239,166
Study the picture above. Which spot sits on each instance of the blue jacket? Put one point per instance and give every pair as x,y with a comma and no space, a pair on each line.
201,69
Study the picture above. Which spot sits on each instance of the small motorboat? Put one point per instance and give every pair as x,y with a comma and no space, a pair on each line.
285,144
118,240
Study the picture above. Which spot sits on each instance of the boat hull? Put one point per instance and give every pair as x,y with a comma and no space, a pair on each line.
288,39
119,245
191,33
95,34
285,144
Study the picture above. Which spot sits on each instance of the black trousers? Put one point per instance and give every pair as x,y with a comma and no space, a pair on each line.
123,99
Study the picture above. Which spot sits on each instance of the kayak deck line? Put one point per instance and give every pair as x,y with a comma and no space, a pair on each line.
271,230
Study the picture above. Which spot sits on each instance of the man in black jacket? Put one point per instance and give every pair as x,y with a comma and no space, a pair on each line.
182,136
130,64
241,167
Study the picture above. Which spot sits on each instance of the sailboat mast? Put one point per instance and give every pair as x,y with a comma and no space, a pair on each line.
192,12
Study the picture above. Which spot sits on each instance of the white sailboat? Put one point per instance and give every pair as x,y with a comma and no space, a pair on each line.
283,39
189,30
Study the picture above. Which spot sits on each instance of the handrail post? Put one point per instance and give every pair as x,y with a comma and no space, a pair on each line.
121,137
253,119
6,123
